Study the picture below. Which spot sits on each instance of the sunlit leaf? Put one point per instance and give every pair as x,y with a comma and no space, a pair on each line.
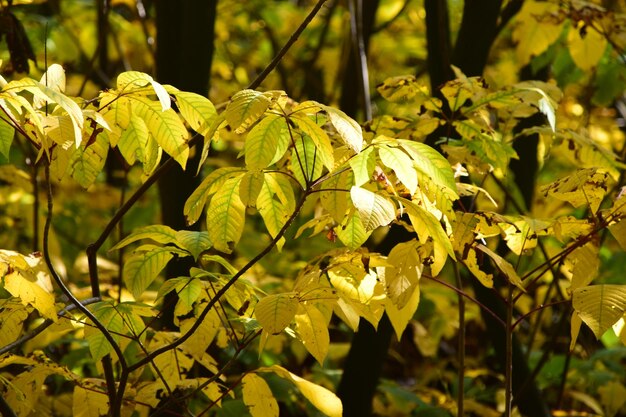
197,110
276,311
258,397
196,201
335,201
351,231
312,329
262,141
585,50
156,232
226,215
250,187
321,398
403,274
401,164
586,186
348,129
374,210
363,165
318,136
195,242
245,108
6,137
143,267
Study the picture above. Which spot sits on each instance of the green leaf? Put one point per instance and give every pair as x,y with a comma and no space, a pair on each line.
258,397
6,138
143,267
156,232
321,398
197,200
600,306
348,129
312,329
106,314
276,311
262,142
363,165
401,164
374,210
194,242
319,138
226,215
245,108
165,126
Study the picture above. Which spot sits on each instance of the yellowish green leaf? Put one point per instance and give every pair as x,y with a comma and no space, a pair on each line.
537,27
213,182
504,266
156,232
193,241
165,126
197,110
374,210
318,136
134,140
363,165
262,142
250,187
351,231
305,163
335,201
245,108
226,215
585,262
401,164
143,267
276,311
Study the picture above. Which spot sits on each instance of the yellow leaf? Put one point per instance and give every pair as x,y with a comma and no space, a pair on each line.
404,272
400,317
348,129
321,398
586,46
363,165
575,324
197,200
250,187
30,282
618,231
156,232
536,29
265,141
92,402
245,108
504,266
258,397
276,311
312,329
600,306
401,165
584,186
335,202
14,315
143,267
318,136
197,110
585,265
351,231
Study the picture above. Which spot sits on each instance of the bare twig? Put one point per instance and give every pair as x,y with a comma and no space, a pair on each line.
294,37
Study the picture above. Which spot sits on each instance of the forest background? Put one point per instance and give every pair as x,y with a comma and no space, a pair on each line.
389,207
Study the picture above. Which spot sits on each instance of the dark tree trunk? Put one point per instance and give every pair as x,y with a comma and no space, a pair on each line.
183,58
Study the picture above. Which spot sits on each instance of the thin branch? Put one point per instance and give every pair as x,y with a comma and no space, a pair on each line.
461,345
294,37
358,42
106,361
469,297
